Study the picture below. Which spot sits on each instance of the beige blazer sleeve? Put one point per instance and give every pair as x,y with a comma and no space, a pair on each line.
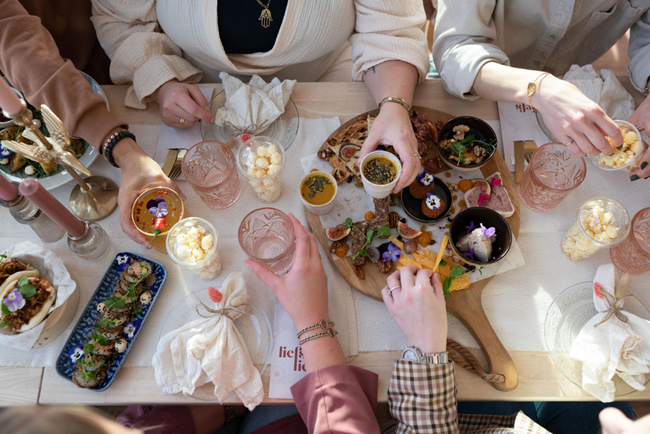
464,38
140,53
639,52
389,30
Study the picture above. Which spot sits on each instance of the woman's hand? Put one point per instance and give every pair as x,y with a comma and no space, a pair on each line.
417,304
574,119
303,291
181,101
641,120
138,173
613,421
393,127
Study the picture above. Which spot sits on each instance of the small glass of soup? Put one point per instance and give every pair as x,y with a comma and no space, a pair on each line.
380,171
318,191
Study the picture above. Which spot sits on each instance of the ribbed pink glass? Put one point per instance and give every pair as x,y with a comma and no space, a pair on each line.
266,235
552,174
632,256
210,169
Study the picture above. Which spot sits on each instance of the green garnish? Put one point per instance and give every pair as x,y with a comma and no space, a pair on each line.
316,185
383,231
455,273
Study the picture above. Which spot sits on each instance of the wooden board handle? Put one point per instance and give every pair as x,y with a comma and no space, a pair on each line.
466,306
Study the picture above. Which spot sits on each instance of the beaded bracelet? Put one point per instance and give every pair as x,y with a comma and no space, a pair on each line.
329,332
114,139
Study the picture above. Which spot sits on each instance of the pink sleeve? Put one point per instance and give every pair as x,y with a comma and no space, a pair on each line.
338,399
163,419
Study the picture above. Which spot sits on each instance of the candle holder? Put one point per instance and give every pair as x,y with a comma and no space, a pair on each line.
92,244
26,213
94,198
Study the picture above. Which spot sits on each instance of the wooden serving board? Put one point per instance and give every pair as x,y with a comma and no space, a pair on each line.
466,305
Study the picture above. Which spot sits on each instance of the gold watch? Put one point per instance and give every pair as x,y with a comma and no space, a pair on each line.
532,87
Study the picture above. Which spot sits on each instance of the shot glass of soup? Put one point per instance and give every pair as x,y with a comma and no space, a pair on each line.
380,171
318,191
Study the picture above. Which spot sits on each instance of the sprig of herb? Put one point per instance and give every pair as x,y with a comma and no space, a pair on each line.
25,288
119,302
455,273
370,235
460,146
5,313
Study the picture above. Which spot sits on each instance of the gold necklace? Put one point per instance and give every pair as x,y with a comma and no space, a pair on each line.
265,16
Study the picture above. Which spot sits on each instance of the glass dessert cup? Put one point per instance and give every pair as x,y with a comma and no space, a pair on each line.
193,244
266,235
632,256
594,229
144,220
209,167
634,161
553,173
261,160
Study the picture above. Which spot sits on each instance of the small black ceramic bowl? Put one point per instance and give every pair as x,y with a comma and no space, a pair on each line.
412,206
478,127
489,218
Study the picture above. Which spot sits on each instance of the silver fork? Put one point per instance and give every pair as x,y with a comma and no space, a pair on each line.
176,168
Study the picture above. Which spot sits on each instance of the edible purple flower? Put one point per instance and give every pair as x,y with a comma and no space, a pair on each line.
470,227
392,254
122,261
4,152
76,353
14,301
469,254
487,232
425,178
433,201
130,328
157,207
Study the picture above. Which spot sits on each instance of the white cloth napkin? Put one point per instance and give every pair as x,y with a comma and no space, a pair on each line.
612,342
211,350
605,90
252,107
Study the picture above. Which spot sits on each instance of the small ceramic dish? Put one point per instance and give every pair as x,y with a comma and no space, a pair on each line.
489,219
380,191
413,206
84,328
631,165
481,130
323,208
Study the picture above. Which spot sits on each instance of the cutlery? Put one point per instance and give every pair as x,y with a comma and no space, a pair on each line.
529,149
176,170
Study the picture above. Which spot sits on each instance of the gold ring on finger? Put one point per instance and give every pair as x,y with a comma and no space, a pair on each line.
181,121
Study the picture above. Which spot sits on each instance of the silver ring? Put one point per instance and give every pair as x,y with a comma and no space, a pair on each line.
569,142
393,289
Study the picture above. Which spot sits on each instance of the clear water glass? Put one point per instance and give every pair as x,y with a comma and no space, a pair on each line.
210,169
266,235
632,256
552,174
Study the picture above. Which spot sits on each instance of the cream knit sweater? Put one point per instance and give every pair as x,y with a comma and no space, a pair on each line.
153,41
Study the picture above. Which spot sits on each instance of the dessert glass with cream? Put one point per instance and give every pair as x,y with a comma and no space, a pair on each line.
193,244
600,222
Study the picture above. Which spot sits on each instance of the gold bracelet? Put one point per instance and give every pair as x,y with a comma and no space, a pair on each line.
329,332
399,101
322,324
532,87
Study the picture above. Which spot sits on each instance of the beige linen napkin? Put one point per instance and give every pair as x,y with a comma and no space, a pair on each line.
252,107
605,90
211,350
613,341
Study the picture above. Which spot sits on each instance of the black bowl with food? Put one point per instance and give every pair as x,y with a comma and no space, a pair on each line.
466,143
480,236
413,206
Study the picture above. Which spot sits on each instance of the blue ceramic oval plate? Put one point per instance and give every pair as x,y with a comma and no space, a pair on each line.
84,328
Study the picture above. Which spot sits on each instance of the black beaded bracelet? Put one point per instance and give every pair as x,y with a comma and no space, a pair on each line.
111,142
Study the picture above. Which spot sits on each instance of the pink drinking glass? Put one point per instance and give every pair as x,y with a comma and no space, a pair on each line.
632,256
210,169
266,235
552,174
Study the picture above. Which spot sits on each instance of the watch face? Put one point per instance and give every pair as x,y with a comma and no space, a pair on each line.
410,354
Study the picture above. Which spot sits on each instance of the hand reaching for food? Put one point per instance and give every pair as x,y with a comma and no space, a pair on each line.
181,104
641,120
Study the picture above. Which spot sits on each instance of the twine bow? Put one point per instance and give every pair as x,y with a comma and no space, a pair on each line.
223,311
614,309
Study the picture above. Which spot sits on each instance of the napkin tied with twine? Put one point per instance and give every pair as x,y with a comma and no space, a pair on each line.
251,108
211,349
614,341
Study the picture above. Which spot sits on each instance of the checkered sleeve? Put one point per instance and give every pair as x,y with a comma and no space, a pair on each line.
422,398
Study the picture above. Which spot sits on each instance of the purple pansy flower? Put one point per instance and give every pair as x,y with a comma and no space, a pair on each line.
487,232
157,207
14,301
122,261
470,227
4,152
425,178
392,254
433,201
130,328
76,353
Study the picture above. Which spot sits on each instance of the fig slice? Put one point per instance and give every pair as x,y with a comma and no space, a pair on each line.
407,232
336,234
348,151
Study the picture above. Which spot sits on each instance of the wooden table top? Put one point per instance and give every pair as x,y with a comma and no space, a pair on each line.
539,380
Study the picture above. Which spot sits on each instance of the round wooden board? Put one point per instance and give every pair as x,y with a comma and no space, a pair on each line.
466,305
